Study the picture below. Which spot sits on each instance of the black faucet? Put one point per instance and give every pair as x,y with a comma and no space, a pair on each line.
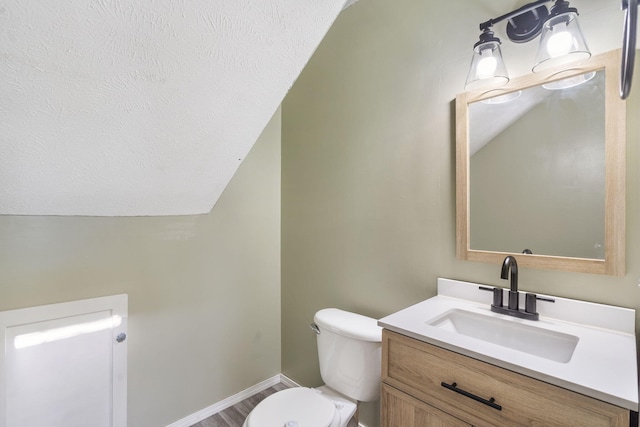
510,264
513,308
510,267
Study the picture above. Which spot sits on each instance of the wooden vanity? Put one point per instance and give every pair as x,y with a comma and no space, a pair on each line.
424,385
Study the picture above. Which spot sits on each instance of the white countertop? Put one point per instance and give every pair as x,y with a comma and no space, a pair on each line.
603,364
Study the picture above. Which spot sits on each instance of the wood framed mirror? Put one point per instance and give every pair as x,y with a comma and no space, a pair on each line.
540,168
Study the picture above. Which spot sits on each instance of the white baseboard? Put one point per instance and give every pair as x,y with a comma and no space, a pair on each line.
192,419
288,381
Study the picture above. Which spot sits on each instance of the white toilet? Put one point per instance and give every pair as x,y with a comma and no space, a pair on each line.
349,351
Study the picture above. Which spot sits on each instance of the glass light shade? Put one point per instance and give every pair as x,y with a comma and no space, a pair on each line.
487,67
502,99
561,42
569,82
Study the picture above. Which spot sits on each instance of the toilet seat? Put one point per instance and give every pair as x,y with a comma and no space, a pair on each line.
298,406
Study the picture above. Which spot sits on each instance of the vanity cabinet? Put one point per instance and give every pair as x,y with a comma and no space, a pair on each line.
425,385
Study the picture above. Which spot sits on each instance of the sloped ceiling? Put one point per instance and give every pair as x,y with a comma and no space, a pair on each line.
141,107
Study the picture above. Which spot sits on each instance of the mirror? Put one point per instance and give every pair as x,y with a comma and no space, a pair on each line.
540,167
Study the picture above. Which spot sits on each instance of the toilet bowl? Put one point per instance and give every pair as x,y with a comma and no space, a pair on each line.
349,352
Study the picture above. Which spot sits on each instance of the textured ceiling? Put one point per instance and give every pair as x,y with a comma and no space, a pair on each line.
141,107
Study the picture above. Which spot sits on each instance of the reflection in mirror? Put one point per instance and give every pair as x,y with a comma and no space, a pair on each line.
541,166
537,170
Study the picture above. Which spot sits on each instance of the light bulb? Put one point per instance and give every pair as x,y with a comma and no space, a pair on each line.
487,67
559,44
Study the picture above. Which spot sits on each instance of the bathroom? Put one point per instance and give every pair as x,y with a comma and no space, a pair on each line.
346,200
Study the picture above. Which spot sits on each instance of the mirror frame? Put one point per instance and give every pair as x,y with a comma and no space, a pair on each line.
615,173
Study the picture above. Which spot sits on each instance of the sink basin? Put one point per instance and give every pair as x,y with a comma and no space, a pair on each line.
529,339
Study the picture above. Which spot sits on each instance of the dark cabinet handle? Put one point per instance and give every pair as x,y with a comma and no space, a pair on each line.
454,387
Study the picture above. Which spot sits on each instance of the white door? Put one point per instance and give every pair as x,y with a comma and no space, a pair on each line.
64,365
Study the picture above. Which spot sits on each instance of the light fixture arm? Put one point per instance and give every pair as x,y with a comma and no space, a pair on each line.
524,9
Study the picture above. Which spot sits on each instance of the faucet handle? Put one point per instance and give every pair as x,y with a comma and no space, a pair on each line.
530,302
497,297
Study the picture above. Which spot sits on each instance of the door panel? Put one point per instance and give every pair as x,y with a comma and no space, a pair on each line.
62,364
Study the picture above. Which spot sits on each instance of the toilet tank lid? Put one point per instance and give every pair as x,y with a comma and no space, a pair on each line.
349,324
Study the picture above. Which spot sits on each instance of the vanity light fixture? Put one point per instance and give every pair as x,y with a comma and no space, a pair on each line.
561,41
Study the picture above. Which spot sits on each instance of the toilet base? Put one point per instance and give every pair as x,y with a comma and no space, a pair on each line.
345,407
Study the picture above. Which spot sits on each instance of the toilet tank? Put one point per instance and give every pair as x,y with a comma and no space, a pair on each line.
350,352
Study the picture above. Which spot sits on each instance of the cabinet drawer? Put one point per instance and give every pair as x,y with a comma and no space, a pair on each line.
420,369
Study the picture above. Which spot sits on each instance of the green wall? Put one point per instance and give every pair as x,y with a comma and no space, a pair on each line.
204,291
368,169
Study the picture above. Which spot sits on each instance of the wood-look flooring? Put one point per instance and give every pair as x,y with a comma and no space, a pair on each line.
235,415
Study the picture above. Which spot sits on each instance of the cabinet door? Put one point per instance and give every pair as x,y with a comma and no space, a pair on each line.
401,410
